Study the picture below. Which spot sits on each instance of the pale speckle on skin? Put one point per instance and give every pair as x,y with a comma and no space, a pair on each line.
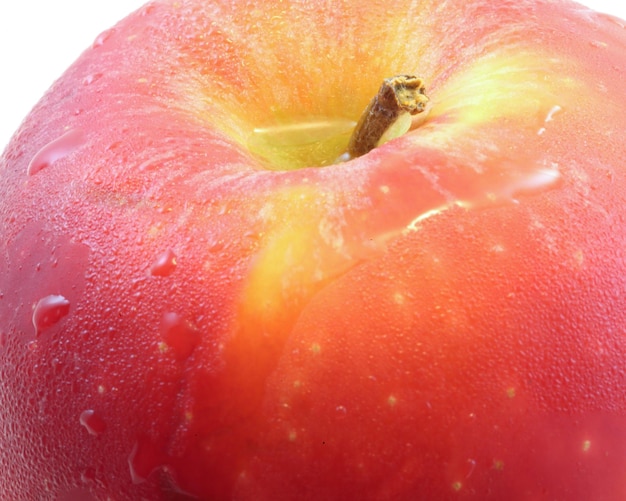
579,257
510,392
331,233
392,401
398,298
293,435
492,197
498,464
586,445
316,348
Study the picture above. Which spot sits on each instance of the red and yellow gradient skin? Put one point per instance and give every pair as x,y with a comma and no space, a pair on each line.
188,311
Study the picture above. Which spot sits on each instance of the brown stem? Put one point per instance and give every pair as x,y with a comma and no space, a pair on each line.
397,95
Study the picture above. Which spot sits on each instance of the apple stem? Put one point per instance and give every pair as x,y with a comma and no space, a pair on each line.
397,99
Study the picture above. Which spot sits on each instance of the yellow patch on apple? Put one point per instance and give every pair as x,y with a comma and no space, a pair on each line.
502,86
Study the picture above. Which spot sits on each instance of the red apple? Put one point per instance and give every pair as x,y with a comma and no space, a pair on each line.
197,301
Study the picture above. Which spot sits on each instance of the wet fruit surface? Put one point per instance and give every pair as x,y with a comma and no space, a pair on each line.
198,301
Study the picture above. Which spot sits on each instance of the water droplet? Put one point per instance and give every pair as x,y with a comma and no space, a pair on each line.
57,365
147,9
164,265
145,458
179,335
532,182
102,38
88,475
554,110
173,485
215,245
89,79
92,422
598,44
56,150
49,311
503,190
549,118
342,412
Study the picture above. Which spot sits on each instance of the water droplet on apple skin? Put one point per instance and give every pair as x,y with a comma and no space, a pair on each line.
501,182
164,265
144,458
537,182
147,9
549,118
92,422
88,475
596,44
179,335
56,150
89,79
48,311
102,38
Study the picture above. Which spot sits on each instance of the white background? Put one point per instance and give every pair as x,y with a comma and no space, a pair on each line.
40,39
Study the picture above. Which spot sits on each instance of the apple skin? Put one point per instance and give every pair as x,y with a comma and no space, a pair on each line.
442,318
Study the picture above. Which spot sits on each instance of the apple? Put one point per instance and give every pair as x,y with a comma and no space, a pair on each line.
206,294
